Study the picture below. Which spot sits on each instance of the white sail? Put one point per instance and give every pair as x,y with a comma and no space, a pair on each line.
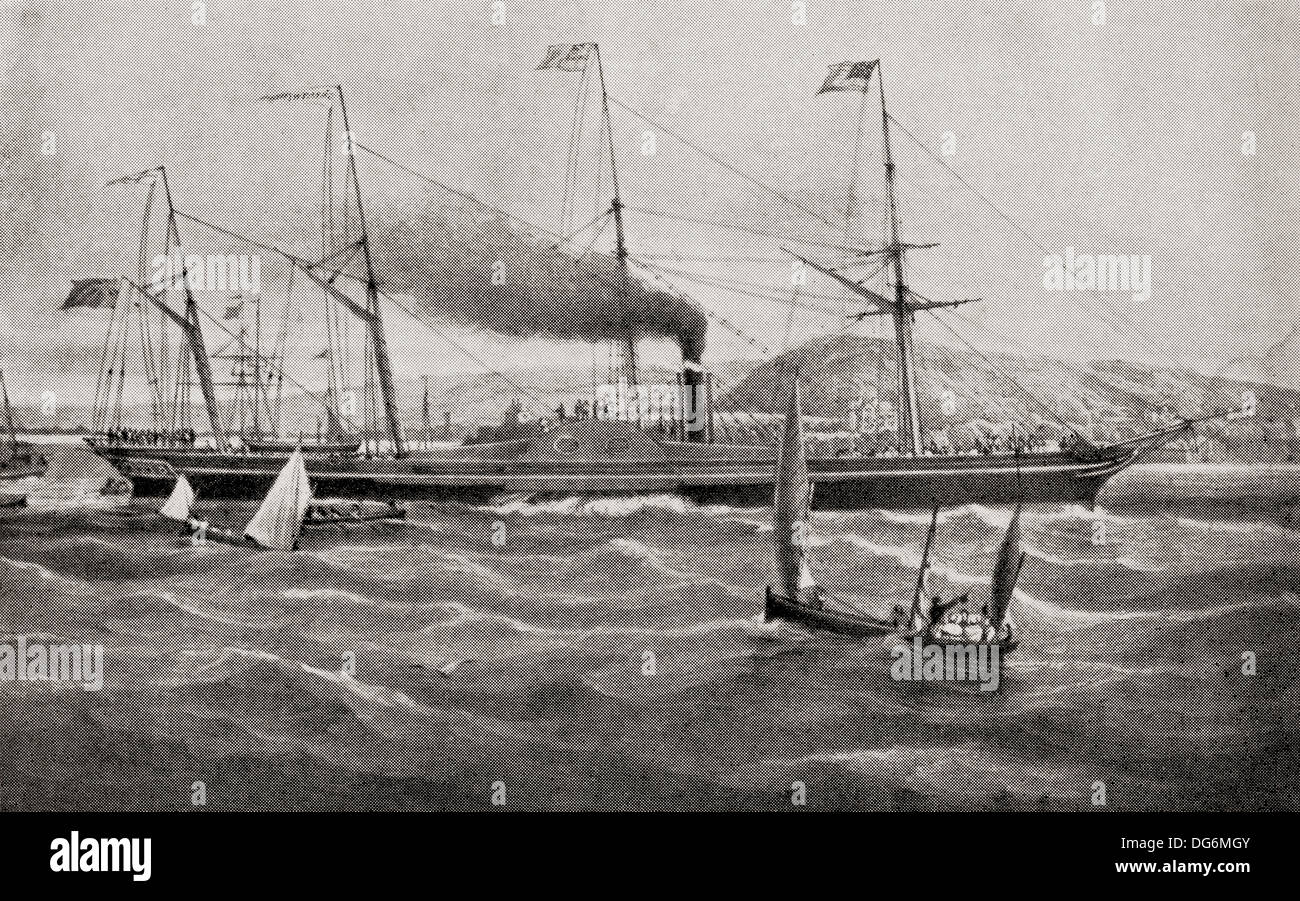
279,520
791,504
180,502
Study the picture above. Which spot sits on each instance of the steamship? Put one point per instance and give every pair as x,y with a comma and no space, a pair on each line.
567,456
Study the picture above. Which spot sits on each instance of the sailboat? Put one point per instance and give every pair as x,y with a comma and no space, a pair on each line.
954,622
17,459
798,597
277,523
341,513
180,502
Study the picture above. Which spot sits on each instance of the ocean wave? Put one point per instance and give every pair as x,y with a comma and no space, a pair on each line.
45,573
906,557
1127,562
610,507
217,666
1070,618
1217,525
965,770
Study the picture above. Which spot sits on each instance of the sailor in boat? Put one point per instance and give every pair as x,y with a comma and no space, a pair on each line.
957,621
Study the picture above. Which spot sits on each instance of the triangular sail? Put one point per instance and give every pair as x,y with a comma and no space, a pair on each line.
11,435
1006,571
279,520
917,620
180,502
792,501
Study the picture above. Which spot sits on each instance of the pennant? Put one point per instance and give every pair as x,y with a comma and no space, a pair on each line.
317,94
92,292
323,355
568,57
849,77
133,179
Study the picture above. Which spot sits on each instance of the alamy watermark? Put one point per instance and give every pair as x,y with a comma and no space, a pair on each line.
968,662
224,272
22,660
1072,271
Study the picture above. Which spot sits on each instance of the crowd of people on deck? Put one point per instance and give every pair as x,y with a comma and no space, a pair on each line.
153,437
980,447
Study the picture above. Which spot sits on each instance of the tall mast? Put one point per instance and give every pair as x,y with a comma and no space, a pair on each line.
620,248
910,427
257,365
424,414
192,330
628,344
374,318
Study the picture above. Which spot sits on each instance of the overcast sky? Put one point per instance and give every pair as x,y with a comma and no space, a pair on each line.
1124,137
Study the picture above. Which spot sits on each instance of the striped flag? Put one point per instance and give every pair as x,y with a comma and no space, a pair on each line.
569,57
849,77
92,292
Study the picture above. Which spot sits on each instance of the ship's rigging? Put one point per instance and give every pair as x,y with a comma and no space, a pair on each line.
345,244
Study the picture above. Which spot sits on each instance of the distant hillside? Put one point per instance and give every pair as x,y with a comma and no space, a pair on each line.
472,399
1105,401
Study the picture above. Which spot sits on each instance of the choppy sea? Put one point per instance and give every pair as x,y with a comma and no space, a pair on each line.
611,654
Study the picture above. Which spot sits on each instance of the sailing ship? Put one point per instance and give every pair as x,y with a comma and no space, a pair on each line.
277,523
955,622
590,455
798,597
17,458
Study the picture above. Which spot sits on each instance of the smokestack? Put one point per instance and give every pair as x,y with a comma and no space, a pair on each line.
696,406
629,364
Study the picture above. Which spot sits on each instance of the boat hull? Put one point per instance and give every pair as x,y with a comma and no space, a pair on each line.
865,488
780,607
1005,645
23,466
596,458
321,520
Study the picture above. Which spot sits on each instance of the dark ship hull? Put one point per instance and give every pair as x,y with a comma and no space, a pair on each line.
598,457
778,606
23,465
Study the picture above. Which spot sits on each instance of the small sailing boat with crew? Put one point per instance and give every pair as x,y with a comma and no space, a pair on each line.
956,621
798,598
340,513
276,525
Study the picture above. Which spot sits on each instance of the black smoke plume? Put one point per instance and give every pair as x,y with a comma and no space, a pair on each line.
448,260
